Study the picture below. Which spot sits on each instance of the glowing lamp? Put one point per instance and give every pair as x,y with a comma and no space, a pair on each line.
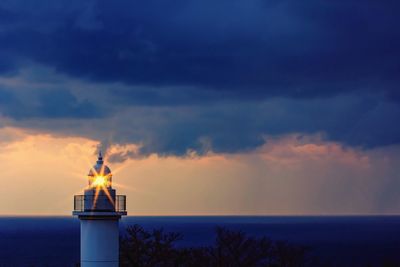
99,181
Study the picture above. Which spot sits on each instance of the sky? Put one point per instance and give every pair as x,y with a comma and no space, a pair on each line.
256,107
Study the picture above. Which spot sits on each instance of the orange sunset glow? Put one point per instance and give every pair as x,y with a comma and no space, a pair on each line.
284,176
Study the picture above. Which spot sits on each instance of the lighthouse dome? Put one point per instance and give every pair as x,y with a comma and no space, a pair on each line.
100,168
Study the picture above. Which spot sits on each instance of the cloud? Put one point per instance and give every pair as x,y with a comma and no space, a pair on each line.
250,49
187,76
233,127
65,106
44,103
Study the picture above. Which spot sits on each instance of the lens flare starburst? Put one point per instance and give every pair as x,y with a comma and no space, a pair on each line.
100,182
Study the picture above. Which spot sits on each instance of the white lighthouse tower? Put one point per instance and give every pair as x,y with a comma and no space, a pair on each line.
99,210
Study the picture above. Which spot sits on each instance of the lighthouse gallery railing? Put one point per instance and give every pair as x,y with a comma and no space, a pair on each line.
120,202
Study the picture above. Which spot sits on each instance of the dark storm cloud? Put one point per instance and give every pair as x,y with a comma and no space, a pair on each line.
258,48
62,104
321,66
46,104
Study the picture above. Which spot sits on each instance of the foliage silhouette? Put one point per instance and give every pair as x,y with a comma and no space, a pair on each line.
141,248
156,248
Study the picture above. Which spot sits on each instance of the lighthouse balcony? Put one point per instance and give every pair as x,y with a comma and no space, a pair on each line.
99,203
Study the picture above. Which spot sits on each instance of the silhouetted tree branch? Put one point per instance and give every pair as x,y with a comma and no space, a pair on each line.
142,248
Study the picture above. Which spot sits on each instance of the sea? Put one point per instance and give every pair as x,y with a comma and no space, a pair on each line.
341,240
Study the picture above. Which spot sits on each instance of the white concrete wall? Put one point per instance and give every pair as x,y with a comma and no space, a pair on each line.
99,243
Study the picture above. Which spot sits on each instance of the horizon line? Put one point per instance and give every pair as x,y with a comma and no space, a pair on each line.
220,215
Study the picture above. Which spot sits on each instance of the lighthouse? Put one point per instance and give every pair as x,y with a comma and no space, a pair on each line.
99,210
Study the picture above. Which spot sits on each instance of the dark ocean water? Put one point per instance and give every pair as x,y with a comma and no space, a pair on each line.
345,241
